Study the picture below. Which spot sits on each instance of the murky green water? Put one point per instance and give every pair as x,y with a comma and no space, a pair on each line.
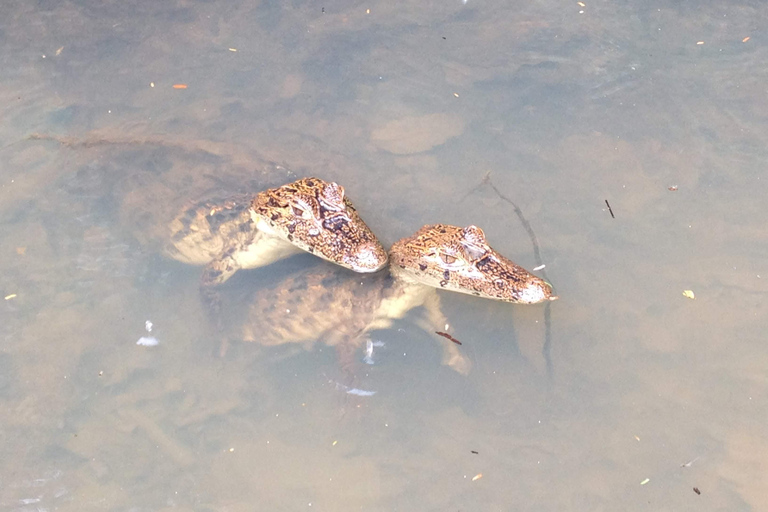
638,398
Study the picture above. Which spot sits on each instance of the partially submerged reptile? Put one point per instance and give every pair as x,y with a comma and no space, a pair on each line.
250,231
341,308
461,260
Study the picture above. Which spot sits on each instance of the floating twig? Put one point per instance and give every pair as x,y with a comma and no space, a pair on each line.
448,336
688,464
537,255
609,209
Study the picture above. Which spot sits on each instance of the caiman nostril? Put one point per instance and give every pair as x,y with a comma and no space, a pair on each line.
369,257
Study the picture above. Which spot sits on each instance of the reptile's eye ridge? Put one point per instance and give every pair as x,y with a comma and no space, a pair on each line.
473,252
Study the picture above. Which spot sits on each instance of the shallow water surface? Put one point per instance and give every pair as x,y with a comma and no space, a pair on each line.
622,395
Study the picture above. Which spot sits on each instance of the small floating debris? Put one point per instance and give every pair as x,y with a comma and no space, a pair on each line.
477,477
540,267
11,296
352,391
609,209
688,294
148,341
448,336
369,346
645,481
688,464
697,491
360,392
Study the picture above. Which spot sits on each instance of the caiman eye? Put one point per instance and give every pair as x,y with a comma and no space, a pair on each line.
447,258
303,207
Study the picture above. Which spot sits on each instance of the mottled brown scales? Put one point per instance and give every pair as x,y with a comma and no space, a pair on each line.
321,303
339,309
204,231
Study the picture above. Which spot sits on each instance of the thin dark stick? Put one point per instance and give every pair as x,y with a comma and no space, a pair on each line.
546,349
448,336
523,221
486,179
609,209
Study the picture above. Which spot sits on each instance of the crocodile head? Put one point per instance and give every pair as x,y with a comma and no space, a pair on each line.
460,259
317,217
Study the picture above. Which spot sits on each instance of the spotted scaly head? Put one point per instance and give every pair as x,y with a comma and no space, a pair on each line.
317,217
460,259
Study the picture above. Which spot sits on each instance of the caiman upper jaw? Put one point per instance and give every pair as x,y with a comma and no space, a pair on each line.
369,257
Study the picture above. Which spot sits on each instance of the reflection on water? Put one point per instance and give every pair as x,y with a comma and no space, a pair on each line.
643,394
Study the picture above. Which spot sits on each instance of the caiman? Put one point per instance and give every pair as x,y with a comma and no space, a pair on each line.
250,231
341,308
